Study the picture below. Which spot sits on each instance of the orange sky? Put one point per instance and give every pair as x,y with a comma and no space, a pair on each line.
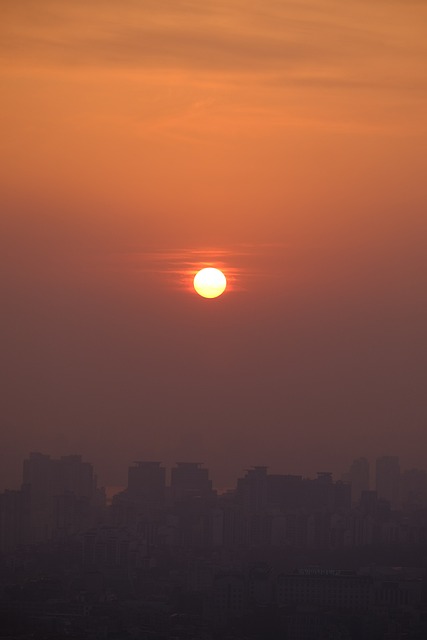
286,140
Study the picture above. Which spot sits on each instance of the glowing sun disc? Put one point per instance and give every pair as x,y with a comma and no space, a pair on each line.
210,282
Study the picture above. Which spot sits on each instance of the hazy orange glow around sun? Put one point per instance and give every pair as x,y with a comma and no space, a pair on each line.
210,282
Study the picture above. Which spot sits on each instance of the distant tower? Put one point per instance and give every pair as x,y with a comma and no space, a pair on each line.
358,476
52,485
414,488
369,502
48,477
146,481
252,488
388,480
189,479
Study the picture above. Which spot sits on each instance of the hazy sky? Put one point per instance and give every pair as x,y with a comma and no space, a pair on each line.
282,141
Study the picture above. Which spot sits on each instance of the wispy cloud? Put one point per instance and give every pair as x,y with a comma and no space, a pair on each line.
180,266
321,40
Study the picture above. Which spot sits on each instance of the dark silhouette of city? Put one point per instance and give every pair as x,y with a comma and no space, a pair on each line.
277,556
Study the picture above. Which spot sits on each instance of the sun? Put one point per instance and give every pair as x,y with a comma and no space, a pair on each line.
210,282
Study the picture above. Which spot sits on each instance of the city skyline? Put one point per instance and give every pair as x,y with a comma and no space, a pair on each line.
278,555
61,499
364,473
345,470
279,142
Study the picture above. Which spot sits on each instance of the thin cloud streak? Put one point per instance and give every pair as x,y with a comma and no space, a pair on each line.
227,38
180,266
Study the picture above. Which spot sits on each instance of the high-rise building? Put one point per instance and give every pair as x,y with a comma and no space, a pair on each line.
190,479
47,479
414,488
68,474
76,476
358,477
14,519
369,502
146,482
388,479
252,489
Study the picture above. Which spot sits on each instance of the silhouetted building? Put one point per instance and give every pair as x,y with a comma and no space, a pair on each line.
110,546
285,491
252,488
324,493
143,497
71,514
414,489
369,502
397,588
230,595
146,482
341,590
14,519
47,479
358,477
388,479
47,476
189,480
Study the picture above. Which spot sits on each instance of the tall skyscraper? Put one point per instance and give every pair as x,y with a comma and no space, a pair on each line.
190,479
387,474
68,474
14,519
358,476
414,488
146,482
252,489
48,479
